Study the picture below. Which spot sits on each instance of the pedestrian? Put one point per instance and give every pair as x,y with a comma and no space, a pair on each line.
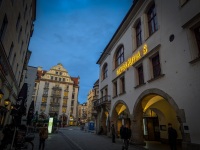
113,133
8,133
172,136
125,133
43,136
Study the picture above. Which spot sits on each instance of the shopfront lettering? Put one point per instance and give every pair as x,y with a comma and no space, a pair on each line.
133,59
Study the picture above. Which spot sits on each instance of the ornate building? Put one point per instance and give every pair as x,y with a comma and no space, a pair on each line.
150,72
16,29
56,94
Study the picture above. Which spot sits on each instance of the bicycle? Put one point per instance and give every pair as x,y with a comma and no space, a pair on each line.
25,143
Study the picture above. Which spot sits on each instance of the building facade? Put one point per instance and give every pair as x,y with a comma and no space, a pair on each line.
82,113
150,72
56,94
16,29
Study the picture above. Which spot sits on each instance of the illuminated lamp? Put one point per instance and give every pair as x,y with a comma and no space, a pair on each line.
7,102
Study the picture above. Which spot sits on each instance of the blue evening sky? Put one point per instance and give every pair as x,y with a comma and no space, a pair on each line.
74,33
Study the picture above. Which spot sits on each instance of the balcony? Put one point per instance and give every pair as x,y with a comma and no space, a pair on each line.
55,104
102,101
65,97
57,88
43,104
45,95
55,95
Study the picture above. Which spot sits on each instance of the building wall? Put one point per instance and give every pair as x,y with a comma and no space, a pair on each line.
71,107
180,67
13,71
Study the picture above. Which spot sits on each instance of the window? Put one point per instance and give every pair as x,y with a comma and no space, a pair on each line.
138,34
18,21
26,26
122,85
119,56
64,79
115,89
56,78
156,66
21,47
197,36
105,71
56,72
13,61
20,32
152,20
51,77
140,75
23,56
16,69
11,51
73,96
25,12
3,27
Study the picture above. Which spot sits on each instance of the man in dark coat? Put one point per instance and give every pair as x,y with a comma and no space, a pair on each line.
172,136
125,134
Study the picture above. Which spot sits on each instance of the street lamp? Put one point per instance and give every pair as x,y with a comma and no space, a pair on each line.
7,102
1,94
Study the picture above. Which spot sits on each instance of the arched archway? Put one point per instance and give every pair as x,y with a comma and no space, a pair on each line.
120,115
152,111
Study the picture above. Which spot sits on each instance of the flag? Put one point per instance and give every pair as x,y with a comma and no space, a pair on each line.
30,113
21,102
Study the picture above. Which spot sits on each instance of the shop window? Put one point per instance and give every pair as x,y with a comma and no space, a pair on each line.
119,58
138,34
152,20
156,66
140,75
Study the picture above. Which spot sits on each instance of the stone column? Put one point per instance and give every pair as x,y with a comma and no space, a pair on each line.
136,127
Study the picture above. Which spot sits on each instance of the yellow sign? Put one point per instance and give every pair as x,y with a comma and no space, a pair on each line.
133,59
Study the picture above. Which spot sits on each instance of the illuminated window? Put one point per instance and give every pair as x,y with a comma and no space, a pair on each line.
156,66
197,36
65,93
114,88
140,75
44,99
64,110
122,85
119,56
138,34
3,27
152,20
105,71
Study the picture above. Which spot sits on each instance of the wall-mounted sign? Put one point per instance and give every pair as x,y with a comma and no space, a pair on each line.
133,59
50,125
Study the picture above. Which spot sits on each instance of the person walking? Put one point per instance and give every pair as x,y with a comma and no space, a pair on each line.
113,133
172,136
125,134
43,136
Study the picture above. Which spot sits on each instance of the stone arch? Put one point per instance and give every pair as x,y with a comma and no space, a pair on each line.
120,114
138,112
